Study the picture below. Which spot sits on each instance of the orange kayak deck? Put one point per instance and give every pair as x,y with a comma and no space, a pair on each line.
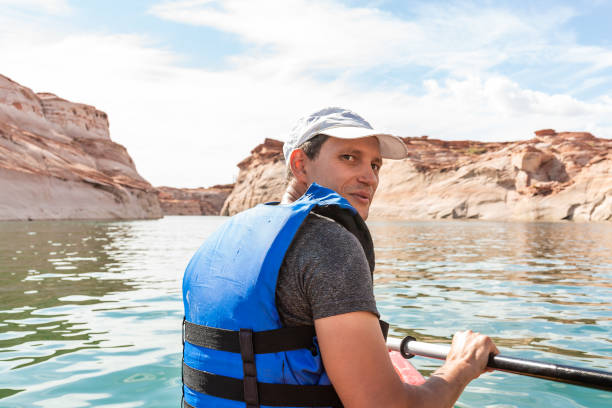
405,370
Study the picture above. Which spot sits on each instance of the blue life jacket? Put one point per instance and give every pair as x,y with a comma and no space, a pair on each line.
236,349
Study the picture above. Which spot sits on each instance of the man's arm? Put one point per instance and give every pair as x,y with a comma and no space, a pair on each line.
357,362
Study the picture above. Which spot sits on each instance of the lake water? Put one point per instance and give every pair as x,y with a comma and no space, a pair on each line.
90,312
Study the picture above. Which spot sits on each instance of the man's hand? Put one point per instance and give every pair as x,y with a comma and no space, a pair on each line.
470,351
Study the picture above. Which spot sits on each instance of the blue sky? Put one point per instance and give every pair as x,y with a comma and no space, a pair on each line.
192,86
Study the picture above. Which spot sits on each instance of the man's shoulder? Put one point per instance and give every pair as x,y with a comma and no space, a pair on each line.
320,236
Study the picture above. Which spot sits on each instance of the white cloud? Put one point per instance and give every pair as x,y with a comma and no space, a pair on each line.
494,109
499,109
297,37
189,127
300,35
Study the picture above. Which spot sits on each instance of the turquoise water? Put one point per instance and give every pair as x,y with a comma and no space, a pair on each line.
90,312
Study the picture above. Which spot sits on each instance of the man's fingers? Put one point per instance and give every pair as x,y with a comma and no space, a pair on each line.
473,348
495,350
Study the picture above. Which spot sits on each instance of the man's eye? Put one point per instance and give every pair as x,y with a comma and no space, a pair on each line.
349,157
375,166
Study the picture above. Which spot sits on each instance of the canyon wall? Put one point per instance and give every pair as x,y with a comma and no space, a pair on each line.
552,177
57,161
193,201
261,178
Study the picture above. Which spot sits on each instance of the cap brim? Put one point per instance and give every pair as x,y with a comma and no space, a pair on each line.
391,147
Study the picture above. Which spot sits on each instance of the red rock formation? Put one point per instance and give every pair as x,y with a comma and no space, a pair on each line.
77,120
545,132
193,201
57,161
555,176
261,178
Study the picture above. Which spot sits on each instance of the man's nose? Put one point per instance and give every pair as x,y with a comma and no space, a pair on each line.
368,176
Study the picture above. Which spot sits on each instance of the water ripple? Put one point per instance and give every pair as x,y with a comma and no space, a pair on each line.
90,312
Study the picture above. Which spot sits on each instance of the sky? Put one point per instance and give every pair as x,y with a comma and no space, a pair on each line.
191,87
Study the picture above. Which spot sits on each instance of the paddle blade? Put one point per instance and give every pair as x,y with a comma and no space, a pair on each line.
405,370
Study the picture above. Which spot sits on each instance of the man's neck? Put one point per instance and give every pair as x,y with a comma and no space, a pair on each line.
293,191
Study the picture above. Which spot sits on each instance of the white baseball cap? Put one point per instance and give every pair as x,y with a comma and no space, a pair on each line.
344,124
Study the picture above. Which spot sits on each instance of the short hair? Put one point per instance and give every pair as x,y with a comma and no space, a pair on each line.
311,148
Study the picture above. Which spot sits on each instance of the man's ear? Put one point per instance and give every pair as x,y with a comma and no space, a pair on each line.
297,164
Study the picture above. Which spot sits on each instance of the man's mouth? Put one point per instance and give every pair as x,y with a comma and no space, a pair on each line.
361,197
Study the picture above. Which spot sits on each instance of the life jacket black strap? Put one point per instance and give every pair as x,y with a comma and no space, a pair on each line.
269,341
248,343
354,224
275,395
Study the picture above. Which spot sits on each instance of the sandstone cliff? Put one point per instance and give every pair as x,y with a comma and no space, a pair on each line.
552,177
193,201
57,161
261,178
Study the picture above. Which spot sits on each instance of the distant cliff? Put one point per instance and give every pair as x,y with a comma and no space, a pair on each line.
552,177
57,161
193,201
261,178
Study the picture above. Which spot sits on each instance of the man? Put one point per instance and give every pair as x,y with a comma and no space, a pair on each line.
282,269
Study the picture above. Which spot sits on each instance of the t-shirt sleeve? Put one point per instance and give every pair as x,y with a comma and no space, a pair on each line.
326,273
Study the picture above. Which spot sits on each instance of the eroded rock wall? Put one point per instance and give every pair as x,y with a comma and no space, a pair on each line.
261,178
193,201
552,177
57,161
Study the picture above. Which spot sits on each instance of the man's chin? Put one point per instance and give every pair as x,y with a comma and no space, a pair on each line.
361,208
363,212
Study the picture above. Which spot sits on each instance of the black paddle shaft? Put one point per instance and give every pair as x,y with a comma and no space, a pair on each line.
555,372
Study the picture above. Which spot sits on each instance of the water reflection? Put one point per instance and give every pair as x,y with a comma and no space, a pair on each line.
47,271
84,304
531,286
572,254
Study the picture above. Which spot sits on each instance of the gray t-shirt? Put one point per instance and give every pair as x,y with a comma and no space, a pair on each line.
325,273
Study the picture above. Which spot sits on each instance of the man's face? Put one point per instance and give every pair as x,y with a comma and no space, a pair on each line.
349,167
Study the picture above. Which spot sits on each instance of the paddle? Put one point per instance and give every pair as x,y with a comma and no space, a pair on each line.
602,380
